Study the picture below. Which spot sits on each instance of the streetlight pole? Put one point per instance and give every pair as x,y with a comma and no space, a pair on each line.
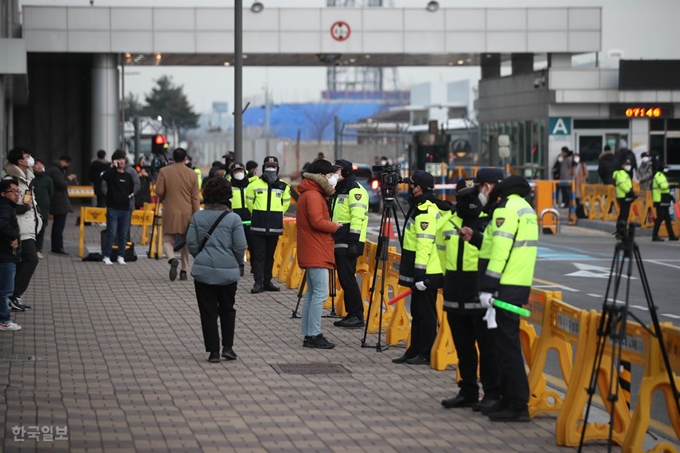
238,81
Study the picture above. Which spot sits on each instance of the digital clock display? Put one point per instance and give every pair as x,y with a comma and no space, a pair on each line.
641,111
650,112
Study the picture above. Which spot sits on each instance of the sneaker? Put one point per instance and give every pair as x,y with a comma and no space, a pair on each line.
121,260
214,357
20,303
14,305
9,325
107,261
40,255
317,342
339,321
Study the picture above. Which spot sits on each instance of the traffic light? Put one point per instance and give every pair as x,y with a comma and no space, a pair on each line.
159,144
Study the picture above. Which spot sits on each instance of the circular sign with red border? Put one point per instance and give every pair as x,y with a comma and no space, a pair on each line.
340,31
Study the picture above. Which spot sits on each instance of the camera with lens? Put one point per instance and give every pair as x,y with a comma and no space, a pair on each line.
389,178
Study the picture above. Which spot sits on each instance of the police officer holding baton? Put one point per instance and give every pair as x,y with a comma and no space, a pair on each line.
506,267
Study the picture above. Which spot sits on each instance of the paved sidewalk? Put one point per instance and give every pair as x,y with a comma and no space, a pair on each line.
116,355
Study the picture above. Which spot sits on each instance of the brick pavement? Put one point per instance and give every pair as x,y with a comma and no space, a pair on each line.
116,355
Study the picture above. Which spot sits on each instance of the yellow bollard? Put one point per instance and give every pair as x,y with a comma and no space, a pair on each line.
443,351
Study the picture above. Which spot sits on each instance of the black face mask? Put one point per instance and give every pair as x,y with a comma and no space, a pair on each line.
468,207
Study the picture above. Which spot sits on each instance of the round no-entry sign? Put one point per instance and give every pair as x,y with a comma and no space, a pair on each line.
340,30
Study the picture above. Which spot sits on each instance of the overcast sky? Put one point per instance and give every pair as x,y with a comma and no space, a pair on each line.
298,84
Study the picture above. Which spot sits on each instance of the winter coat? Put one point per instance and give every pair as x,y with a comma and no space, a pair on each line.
61,204
30,222
645,175
43,188
9,231
580,178
177,185
565,169
607,166
218,263
314,227
97,167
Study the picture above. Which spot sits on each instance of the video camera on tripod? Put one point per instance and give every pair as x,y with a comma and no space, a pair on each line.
389,178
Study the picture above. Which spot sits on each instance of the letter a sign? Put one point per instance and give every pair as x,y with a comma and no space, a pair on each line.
560,125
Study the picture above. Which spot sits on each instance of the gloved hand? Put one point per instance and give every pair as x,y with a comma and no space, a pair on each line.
490,318
352,250
420,286
486,299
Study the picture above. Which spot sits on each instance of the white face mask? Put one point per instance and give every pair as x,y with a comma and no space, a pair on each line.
239,175
30,161
383,162
560,159
645,159
627,167
483,199
333,180
576,159
665,170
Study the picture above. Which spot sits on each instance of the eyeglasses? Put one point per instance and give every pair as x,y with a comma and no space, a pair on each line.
11,191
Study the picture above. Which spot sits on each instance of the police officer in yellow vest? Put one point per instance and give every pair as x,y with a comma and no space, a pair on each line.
251,169
267,198
239,185
624,194
196,170
349,206
461,301
506,267
420,268
663,200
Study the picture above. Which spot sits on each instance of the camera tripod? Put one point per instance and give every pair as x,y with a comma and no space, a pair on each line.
332,292
389,214
612,326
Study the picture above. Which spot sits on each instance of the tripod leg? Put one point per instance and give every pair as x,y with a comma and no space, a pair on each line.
383,243
301,292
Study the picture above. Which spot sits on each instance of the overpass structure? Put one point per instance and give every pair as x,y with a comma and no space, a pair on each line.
72,55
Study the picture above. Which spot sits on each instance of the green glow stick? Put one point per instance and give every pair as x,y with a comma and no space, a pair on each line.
511,308
246,222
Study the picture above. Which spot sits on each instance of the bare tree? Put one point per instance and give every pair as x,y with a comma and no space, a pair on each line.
319,117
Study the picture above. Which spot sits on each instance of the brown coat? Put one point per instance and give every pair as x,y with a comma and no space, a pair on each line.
314,227
580,178
177,185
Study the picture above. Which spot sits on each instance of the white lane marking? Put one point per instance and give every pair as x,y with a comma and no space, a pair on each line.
640,307
668,315
595,295
662,264
566,288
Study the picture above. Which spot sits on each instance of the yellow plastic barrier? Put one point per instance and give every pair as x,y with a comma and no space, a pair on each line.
569,421
564,326
90,215
156,246
81,192
443,351
655,378
391,282
143,219
288,244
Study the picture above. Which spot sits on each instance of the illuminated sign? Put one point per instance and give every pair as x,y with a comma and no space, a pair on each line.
642,111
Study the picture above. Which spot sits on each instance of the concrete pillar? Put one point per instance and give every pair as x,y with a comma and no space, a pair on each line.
105,110
559,60
491,65
522,63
